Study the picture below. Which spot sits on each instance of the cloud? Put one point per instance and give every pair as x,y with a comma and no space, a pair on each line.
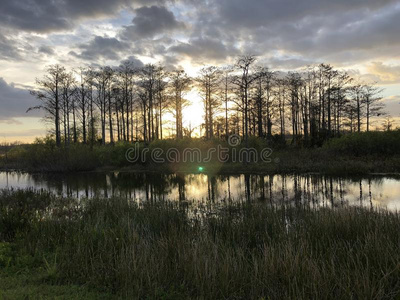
385,73
392,105
17,48
287,63
204,49
8,49
137,63
373,33
30,133
14,102
46,50
257,13
310,30
34,15
285,33
317,30
11,122
101,47
53,15
150,21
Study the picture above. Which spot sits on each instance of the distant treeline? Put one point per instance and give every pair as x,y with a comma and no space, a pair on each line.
129,103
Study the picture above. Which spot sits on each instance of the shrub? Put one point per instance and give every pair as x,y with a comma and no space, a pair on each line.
43,155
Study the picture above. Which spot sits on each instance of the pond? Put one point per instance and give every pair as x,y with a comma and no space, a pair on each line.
313,190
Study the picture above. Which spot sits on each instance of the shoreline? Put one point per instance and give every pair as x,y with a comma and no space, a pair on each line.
222,171
358,154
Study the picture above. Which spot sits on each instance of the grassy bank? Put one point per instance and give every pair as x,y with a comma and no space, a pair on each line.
163,250
358,153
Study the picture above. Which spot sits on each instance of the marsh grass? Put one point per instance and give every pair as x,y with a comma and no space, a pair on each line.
172,251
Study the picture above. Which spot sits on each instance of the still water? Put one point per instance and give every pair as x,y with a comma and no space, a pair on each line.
313,190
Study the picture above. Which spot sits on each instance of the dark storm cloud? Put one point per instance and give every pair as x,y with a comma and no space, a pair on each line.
101,47
150,21
315,29
53,15
15,101
349,37
376,31
255,13
33,15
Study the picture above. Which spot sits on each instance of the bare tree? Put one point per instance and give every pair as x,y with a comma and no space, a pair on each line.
49,93
243,82
372,101
264,100
126,72
226,85
208,82
103,80
280,95
358,104
295,82
82,99
387,124
148,84
180,84
68,90
90,76
162,99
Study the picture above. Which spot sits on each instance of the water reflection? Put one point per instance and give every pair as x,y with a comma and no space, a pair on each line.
312,190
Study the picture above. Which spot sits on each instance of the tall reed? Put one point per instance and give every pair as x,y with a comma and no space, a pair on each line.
238,251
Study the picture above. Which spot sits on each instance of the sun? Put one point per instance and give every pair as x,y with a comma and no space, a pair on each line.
193,114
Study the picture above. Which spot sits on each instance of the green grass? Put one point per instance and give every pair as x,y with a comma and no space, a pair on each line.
172,250
33,285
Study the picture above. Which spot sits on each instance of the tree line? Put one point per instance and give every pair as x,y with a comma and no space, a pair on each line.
129,103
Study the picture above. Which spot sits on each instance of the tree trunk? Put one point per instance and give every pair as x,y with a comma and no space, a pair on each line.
57,117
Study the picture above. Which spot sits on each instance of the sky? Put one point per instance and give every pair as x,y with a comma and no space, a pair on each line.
360,36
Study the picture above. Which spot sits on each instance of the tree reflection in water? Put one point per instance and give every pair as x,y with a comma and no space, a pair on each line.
312,190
